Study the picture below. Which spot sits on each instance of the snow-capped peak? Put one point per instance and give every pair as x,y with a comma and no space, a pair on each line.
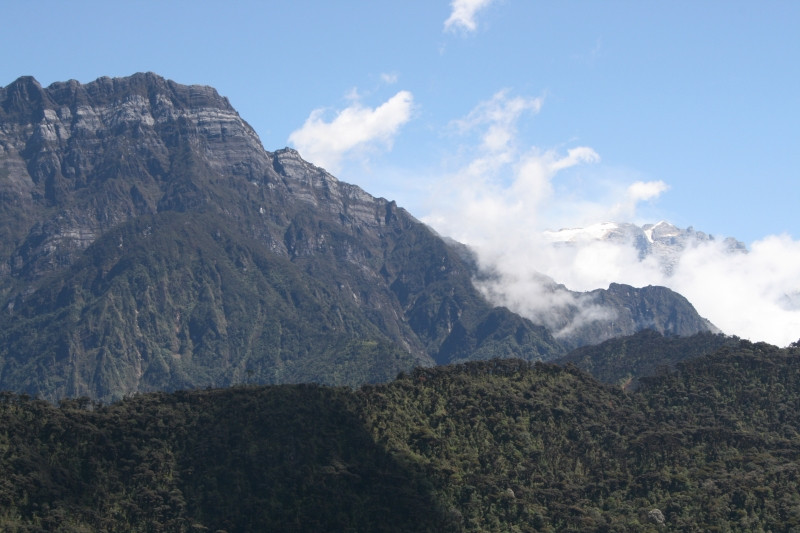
662,240
594,232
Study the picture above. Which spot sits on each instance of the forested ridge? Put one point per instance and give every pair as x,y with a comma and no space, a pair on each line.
623,360
499,445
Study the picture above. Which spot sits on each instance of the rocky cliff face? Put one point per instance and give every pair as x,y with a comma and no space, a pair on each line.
78,160
149,241
629,310
579,319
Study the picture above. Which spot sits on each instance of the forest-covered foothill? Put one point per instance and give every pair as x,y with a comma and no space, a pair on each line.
500,445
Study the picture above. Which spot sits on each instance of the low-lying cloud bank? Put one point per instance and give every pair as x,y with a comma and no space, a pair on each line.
503,200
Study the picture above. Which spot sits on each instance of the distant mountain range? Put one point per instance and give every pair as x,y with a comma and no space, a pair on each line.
663,241
149,242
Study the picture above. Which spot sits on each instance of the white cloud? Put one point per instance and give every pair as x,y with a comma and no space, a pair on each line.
575,156
640,190
636,193
502,198
355,129
501,110
463,14
389,78
496,122
754,295
750,295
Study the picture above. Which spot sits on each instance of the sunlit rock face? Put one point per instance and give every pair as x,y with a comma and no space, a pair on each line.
148,241
77,160
85,158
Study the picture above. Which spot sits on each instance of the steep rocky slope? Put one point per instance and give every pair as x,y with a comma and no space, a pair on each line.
148,241
142,218
626,310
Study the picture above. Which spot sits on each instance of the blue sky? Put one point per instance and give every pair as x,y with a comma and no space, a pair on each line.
704,96
575,111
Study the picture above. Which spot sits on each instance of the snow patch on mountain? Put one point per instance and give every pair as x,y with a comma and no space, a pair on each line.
662,241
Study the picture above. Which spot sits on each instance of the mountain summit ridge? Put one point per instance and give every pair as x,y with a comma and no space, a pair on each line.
287,274
662,240
148,241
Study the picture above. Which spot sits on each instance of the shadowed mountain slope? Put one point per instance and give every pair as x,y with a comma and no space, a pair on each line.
148,241
624,360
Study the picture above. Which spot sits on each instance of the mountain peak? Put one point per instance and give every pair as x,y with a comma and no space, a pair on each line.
148,237
24,96
24,82
662,240
660,230
148,241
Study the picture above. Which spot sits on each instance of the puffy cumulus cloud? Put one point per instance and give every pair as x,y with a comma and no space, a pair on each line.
533,173
493,203
636,193
502,199
477,189
752,295
502,186
462,14
641,190
355,129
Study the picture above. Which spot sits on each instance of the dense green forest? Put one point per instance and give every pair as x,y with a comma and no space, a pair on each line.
500,445
623,360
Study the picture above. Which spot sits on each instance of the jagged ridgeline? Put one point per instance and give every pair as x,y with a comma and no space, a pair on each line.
149,242
499,445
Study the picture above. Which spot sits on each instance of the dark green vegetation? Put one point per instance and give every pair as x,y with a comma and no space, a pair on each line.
501,445
623,360
185,302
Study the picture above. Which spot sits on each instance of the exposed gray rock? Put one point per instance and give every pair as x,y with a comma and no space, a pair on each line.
596,316
656,516
663,240
84,165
